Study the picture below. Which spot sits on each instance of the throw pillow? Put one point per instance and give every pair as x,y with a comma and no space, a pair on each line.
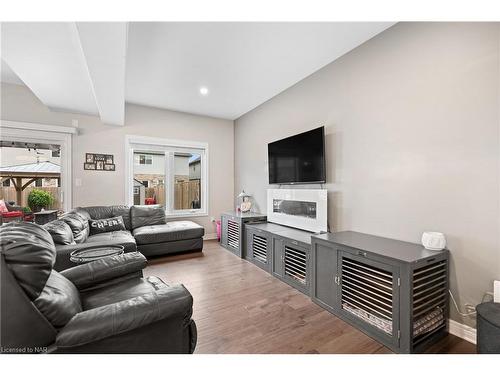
147,215
3,207
60,231
78,224
106,225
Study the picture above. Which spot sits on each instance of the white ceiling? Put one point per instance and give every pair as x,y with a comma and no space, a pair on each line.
71,67
47,59
89,68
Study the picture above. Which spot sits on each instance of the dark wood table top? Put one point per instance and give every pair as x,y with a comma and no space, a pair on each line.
45,212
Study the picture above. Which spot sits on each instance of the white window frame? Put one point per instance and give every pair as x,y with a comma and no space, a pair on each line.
169,146
51,134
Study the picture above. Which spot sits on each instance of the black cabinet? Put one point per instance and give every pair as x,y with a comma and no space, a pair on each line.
284,252
394,291
233,230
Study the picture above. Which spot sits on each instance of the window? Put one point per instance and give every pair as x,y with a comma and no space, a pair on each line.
173,174
6,183
38,182
187,190
145,159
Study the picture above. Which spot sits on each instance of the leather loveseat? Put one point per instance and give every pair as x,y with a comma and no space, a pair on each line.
145,230
105,306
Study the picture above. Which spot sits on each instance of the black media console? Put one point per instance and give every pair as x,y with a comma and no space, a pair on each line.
394,291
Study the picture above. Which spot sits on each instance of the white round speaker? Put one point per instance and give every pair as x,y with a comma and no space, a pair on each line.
433,240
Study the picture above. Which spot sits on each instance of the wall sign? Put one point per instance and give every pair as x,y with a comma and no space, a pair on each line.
98,162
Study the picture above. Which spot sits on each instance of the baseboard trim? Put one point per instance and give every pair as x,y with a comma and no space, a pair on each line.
463,331
210,236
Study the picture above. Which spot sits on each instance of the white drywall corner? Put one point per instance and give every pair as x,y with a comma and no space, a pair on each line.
496,291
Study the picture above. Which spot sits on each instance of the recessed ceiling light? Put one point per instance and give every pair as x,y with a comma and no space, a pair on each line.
204,91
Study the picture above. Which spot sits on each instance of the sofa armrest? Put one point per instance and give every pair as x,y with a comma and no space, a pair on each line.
13,207
98,271
174,302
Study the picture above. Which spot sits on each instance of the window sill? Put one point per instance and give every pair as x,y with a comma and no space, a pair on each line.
185,214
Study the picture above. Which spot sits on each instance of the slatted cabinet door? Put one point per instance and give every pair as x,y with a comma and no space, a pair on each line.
231,235
429,308
258,248
324,276
297,265
368,296
223,235
277,266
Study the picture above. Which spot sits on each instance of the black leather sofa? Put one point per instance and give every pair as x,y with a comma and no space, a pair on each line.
145,230
105,306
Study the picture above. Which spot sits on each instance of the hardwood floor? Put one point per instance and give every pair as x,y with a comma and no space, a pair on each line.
239,308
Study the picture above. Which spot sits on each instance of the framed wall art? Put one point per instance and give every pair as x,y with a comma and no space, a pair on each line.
99,162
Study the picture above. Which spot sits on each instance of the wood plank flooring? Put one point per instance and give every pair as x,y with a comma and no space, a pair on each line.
239,308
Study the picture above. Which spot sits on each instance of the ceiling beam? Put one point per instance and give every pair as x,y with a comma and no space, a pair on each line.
104,45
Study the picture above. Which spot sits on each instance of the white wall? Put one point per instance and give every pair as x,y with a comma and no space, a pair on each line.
412,136
105,188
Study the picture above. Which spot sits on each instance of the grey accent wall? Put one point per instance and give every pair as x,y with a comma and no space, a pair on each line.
412,136
103,188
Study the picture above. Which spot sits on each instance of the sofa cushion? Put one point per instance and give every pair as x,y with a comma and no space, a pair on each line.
60,231
59,300
147,215
111,224
79,225
119,237
3,207
105,212
171,231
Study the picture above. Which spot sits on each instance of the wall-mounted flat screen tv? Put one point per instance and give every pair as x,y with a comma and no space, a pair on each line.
299,159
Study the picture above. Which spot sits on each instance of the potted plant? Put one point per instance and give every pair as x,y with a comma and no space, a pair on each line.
28,214
40,199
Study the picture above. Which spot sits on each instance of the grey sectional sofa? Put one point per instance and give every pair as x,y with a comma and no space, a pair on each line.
145,229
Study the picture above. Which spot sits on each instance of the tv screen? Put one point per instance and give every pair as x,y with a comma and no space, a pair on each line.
299,159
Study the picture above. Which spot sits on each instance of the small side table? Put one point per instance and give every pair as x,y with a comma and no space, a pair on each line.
488,328
43,217
91,253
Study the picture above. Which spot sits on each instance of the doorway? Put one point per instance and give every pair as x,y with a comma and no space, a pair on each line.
35,157
28,168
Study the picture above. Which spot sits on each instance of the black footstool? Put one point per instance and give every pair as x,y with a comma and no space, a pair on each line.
488,328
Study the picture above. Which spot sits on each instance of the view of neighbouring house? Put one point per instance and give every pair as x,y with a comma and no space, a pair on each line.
150,182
